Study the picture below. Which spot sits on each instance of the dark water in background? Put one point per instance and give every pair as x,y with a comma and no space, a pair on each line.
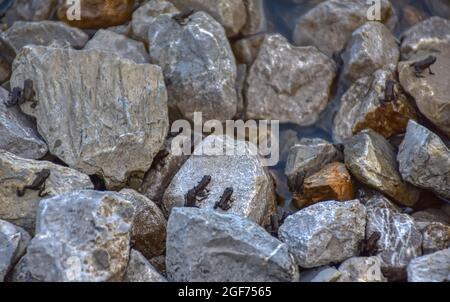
281,16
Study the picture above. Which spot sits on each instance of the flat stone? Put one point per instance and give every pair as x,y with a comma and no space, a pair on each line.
81,236
98,13
246,49
148,231
371,47
430,268
361,269
427,36
13,243
333,182
164,167
26,10
117,131
424,160
16,172
321,274
371,159
400,240
144,16
256,17
198,65
254,196
205,245
363,107
18,134
324,233
232,14
330,24
140,270
431,92
297,80
108,41
308,157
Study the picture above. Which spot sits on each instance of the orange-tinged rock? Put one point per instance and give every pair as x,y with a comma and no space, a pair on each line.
333,182
99,13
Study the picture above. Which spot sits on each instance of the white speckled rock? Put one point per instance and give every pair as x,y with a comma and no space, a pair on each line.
230,13
424,160
102,115
330,24
254,196
108,41
140,270
371,159
13,243
81,236
288,83
16,172
361,269
400,240
325,232
17,132
204,245
430,268
198,66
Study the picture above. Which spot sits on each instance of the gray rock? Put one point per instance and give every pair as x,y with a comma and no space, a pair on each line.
198,65
114,133
430,268
423,218
165,165
13,243
29,10
400,240
17,132
289,84
361,269
330,24
430,92
363,107
231,14
371,47
246,49
324,233
256,17
254,196
240,87
371,159
144,16
307,157
436,237
140,270
159,263
430,35
321,274
148,231
424,160
21,272
16,172
204,245
81,236
108,41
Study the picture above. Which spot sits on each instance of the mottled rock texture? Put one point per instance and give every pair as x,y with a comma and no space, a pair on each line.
430,268
361,269
140,270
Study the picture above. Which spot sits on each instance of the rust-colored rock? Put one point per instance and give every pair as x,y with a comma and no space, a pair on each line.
333,182
99,13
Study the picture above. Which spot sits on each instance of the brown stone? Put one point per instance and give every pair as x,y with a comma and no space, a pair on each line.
333,182
99,13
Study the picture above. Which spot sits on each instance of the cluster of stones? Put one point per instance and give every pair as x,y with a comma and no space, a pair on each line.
108,85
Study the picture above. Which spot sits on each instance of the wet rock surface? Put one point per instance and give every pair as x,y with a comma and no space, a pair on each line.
204,245
297,80
371,159
140,270
17,132
253,190
198,65
400,241
324,233
361,269
17,173
330,24
114,133
424,160
13,243
81,236
364,106
430,268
